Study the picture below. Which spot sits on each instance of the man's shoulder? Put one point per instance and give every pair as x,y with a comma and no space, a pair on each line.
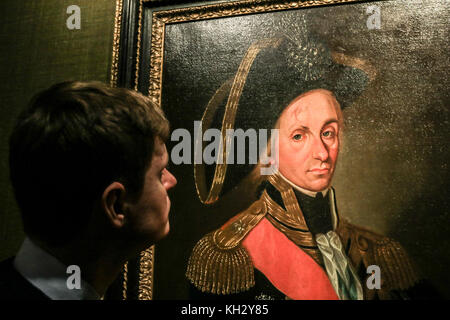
7,273
219,264
364,236
398,270
367,240
13,286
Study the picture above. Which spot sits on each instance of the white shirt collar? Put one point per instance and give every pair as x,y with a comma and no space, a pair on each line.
49,275
307,192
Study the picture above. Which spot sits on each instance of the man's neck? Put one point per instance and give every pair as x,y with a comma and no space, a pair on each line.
99,265
303,190
280,183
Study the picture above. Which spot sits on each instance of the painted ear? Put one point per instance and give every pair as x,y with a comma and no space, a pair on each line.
113,204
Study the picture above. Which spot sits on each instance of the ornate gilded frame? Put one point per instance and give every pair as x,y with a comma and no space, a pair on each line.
130,54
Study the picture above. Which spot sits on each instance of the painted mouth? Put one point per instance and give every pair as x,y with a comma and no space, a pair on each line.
320,171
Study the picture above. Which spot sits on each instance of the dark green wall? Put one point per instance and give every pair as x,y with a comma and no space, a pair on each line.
36,50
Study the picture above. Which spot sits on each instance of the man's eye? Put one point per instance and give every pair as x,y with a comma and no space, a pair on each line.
328,134
297,137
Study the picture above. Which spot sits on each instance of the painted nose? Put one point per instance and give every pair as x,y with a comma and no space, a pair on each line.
320,151
170,180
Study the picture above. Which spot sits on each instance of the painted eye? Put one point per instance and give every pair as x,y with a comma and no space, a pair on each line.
297,137
328,134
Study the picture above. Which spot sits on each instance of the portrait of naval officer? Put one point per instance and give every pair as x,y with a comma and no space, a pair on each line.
291,243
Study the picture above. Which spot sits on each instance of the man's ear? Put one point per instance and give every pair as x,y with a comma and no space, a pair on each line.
112,203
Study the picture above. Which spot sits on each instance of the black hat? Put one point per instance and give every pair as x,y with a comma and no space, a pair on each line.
271,75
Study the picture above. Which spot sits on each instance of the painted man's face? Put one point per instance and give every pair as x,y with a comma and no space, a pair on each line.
309,140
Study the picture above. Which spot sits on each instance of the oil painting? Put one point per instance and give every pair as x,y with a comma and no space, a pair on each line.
310,144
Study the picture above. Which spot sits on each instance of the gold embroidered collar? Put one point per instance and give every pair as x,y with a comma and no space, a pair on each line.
291,220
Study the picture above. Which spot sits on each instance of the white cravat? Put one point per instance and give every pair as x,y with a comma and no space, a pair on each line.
338,266
49,275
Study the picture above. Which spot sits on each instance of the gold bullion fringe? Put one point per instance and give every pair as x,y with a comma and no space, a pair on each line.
397,269
220,271
125,281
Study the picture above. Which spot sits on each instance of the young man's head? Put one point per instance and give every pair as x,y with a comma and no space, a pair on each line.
84,155
309,141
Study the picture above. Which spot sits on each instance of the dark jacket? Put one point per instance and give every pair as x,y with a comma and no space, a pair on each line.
13,286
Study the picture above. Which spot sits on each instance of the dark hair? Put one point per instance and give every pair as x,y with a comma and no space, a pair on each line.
70,143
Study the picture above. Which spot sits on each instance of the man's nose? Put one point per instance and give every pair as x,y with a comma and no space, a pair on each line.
170,180
320,150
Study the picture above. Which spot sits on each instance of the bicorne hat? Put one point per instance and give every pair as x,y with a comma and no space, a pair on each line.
273,73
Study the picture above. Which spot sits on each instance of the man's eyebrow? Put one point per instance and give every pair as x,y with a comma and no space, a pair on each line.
296,127
305,128
329,121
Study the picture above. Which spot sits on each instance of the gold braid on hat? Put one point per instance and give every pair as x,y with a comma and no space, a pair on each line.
233,87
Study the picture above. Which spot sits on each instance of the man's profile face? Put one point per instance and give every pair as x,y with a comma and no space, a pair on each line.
309,140
150,213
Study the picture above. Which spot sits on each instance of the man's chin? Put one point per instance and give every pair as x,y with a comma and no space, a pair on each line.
319,185
158,234
166,229
163,232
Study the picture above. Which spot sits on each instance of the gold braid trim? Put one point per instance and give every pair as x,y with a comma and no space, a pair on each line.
397,269
220,271
218,263
292,217
354,62
398,272
235,88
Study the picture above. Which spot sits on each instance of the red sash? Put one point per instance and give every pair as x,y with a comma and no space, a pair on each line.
287,267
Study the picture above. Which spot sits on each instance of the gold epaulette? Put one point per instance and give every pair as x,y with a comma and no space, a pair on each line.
397,269
219,264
